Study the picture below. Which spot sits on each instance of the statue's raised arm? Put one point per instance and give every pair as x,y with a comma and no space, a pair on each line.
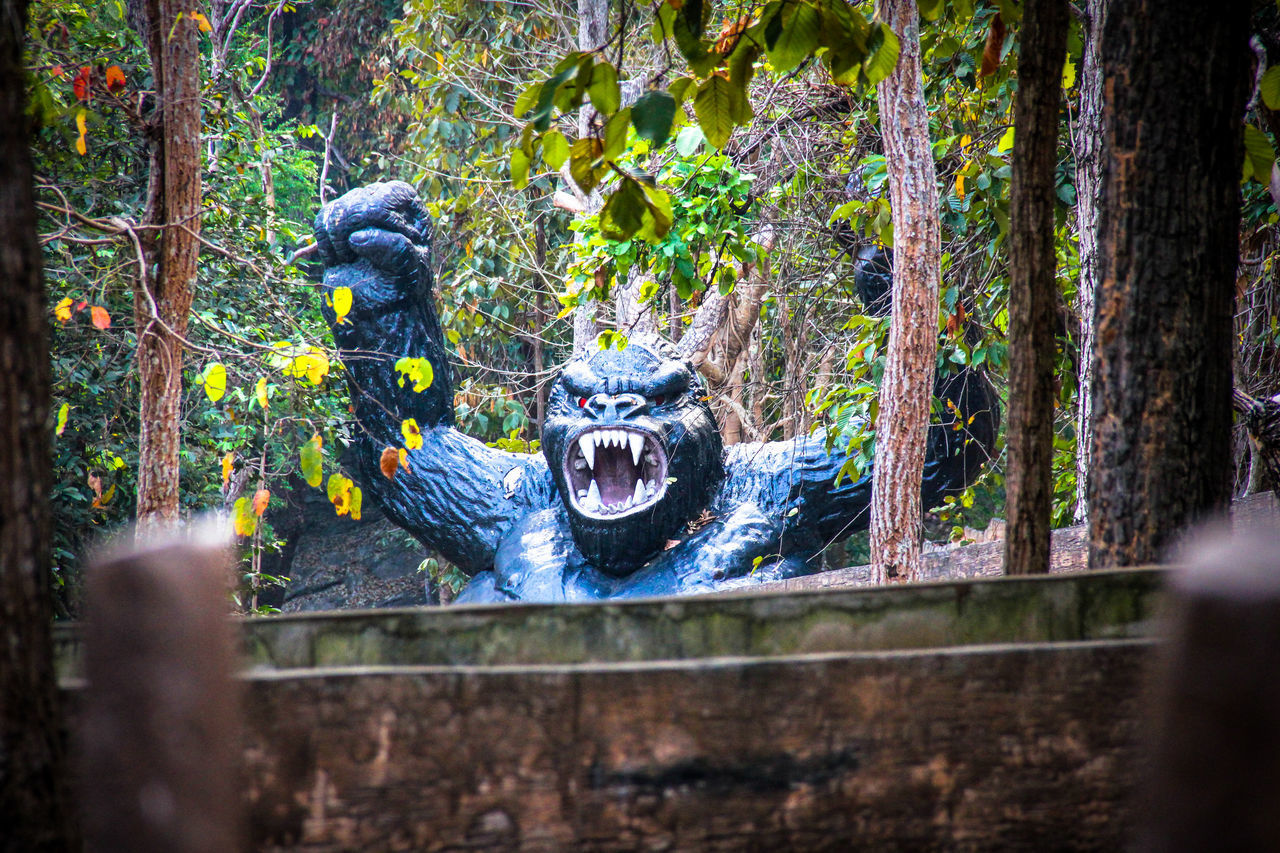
458,496
636,494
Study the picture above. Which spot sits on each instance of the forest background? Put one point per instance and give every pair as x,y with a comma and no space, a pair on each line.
760,199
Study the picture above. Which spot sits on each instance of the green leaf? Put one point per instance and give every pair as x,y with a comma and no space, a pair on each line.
715,108
615,133
1270,88
215,382
689,140
582,163
519,169
681,87
555,149
1259,153
796,41
603,90
882,46
930,10
526,99
309,461
652,115
660,217
623,213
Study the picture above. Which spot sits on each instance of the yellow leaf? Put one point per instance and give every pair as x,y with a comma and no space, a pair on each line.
412,434
340,493
63,411
260,391
356,500
81,147
215,382
959,186
227,462
243,518
417,370
261,498
439,61
309,460
341,304
404,459
201,21
62,311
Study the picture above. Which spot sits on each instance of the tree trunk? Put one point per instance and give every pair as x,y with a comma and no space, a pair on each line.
1033,288
1088,145
35,805
593,21
905,393
163,291
1168,244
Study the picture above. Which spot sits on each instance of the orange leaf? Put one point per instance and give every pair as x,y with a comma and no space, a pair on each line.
995,43
80,86
201,21
260,500
389,462
101,319
57,71
115,79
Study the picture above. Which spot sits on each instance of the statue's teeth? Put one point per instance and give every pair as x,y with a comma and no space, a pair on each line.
587,445
651,488
637,446
593,497
638,497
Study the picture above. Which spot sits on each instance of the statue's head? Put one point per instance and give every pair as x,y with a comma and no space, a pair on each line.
634,449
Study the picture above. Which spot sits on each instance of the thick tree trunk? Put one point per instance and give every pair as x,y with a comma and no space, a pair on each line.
903,424
163,292
1172,142
1088,151
1033,288
35,805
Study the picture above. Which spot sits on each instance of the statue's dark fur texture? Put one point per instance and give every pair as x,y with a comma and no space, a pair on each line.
634,494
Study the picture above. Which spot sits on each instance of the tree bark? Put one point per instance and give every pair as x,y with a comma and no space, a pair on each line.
593,21
164,289
1088,144
1168,245
905,394
1033,288
35,803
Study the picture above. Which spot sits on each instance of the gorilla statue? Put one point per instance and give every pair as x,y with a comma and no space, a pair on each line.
634,494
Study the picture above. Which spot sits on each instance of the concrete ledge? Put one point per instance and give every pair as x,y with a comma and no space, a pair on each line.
1083,606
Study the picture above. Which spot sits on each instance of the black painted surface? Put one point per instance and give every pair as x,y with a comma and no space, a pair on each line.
546,528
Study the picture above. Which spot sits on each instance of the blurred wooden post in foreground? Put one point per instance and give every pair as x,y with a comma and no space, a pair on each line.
160,736
1214,779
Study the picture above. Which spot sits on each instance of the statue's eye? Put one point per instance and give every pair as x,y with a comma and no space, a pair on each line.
582,402
660,399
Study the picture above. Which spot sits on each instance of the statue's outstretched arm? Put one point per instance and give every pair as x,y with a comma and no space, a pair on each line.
794,481
458,496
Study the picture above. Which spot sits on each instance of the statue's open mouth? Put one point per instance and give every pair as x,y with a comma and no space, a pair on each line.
615,472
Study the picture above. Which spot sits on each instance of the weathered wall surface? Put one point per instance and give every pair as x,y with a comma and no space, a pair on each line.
1008,748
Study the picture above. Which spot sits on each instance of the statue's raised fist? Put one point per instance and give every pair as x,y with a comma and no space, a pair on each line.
384,224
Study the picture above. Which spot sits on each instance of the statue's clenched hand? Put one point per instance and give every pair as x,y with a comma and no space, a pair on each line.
383,225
